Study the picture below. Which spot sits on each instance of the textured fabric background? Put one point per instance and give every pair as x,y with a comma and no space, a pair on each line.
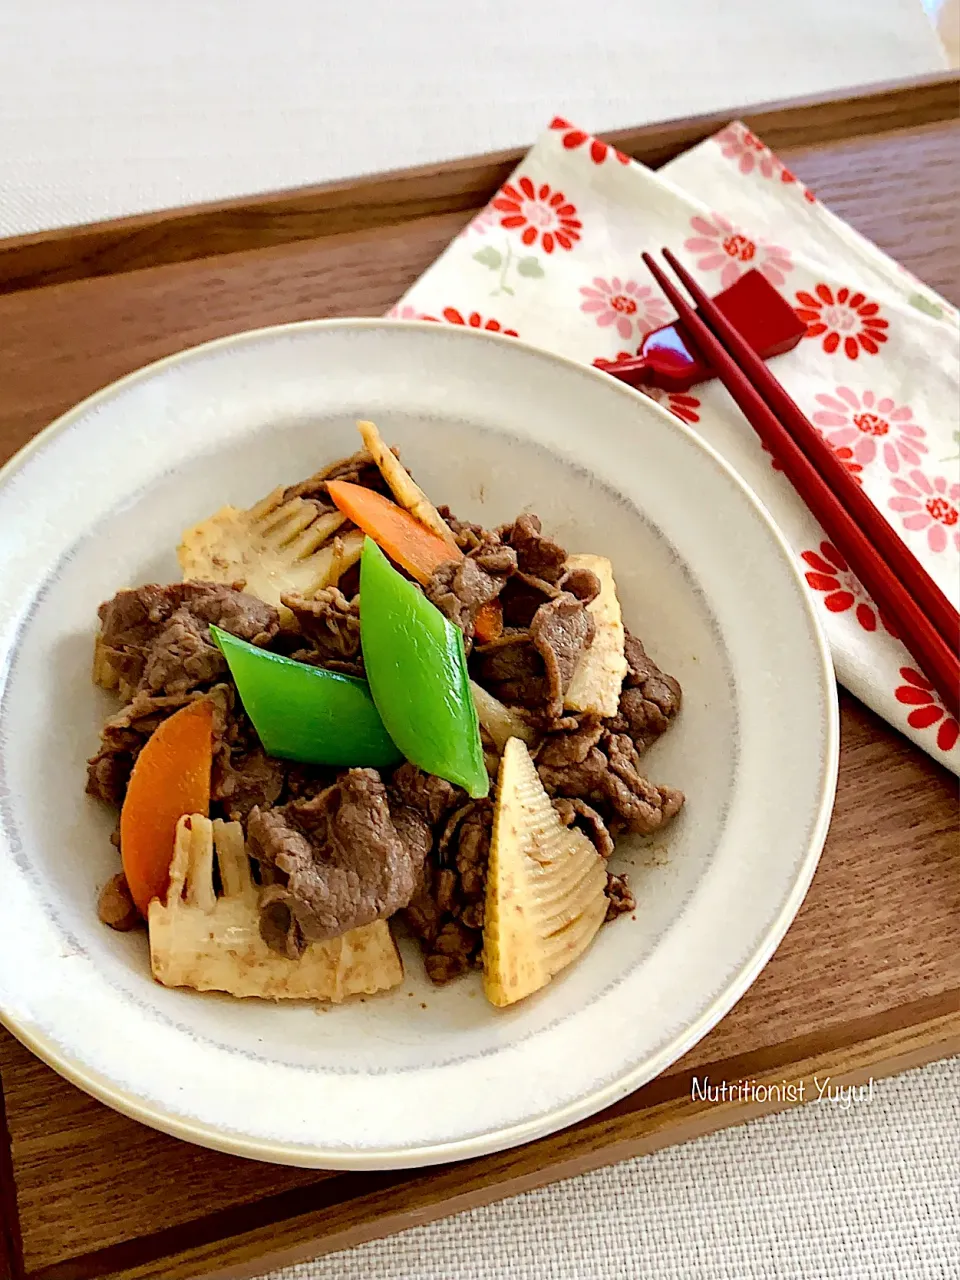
111,107
818,1193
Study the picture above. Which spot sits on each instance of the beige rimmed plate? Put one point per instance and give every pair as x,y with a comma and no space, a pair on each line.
492,427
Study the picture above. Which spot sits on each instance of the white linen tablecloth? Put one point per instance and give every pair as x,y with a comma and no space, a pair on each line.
869,1192
111,107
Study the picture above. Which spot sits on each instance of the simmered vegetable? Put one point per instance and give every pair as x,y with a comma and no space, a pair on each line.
598,677
406,541
403,486
213,943
306,713
545,886
170,778
401,535
417,671
277,548
501,723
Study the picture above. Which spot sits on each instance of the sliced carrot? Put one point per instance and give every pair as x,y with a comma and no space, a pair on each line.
488,624
407,542
170,778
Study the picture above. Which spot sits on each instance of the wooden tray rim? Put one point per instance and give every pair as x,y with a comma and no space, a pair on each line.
385,199
289,1227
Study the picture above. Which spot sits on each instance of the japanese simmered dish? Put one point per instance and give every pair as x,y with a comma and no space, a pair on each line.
356,709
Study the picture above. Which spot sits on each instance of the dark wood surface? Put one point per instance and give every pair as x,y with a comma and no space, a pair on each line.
365,204
11,1245
866,981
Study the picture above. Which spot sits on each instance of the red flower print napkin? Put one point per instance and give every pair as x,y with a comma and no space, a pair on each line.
555,259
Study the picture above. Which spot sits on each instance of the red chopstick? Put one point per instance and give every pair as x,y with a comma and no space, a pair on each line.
750,383
884,537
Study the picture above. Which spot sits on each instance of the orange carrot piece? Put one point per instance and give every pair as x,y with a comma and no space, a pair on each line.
170,778
405,540
488,624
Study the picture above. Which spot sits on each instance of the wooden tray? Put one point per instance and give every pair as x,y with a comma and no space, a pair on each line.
866,982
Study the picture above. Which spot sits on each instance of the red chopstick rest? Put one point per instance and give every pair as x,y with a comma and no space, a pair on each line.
669,360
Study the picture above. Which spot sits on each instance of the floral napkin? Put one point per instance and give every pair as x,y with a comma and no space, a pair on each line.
555,259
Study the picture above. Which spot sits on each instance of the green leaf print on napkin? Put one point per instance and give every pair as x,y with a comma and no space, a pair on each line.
488,256
494,260
530,267
926,305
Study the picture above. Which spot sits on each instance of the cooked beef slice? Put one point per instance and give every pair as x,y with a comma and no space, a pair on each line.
511,669
340,861
620,897
460,588
524,593
649,700
134,616
577,813
350,581
446,914
537,554
522,596
454,951
306,780
423,913
244,778
231,609
358,468
279,927
424,793
607,776
561,631
494,558
472,852
330,624
157,637
121,741
182,657
466,535
582,583
108,772
115,907
572,743
314,659
532,667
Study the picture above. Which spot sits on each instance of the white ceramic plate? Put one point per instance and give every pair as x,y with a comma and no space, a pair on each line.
492,427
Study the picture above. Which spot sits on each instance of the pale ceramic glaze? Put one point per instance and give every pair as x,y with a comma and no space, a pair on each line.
492,427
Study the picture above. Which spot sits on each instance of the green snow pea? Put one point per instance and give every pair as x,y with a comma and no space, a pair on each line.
306,713
417,670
